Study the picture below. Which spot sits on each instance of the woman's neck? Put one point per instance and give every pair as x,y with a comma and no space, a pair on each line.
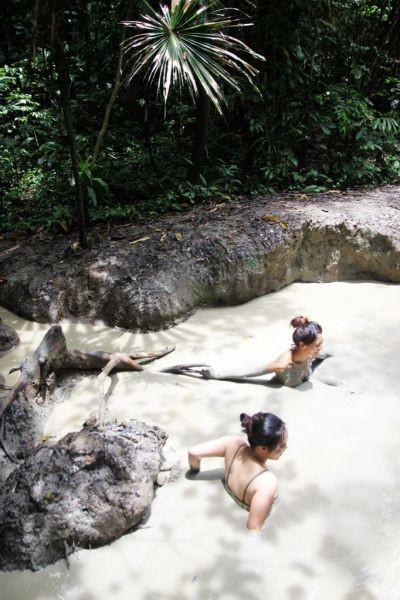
261,460
299,354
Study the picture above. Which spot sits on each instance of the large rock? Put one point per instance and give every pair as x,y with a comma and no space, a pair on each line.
83,491
8,338
156,275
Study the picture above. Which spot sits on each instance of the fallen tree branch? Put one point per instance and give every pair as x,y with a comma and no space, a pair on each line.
52,356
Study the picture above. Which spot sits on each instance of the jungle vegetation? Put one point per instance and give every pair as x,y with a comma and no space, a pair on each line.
262,96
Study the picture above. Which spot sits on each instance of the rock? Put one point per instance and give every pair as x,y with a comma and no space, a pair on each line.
92,420
163,478
8,338
229,255
171,466
83,491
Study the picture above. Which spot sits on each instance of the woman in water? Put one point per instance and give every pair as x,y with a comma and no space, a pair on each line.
291,368
247,480
295,365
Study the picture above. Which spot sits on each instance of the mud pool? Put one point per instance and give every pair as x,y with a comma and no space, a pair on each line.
333,534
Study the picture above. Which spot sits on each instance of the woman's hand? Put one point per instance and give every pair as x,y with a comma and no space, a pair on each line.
213,448
194,463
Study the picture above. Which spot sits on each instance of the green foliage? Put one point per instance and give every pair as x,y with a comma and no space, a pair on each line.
94,185
187,46
32,156
323,113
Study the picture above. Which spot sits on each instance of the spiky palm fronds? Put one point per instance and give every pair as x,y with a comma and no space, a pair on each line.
187,46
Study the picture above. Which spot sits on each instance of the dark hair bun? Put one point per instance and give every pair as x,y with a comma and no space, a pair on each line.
247,423
263,429
304,330
299,322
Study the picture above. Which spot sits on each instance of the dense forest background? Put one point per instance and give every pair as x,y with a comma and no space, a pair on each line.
321,114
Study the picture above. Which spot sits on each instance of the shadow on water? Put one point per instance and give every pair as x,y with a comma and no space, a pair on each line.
373,520
349,522
226,577
57,582
209,475
201,333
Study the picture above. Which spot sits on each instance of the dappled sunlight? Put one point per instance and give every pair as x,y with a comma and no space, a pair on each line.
333,531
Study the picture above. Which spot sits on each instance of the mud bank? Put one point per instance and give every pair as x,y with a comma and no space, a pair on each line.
148,277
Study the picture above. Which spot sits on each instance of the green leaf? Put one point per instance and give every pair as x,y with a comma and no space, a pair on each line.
92,195
189,47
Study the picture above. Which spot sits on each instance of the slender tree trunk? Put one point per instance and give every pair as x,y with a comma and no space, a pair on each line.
64,83
115,91
110,105
147,134
32,52
200,134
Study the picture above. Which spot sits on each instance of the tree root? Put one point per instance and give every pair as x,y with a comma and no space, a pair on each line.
52,356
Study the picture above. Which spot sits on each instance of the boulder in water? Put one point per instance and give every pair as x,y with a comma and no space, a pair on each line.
85,490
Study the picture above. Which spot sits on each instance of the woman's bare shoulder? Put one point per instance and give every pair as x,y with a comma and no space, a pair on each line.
236,440
267,482
284,359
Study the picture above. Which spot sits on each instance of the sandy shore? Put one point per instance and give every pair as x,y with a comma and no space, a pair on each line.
333,534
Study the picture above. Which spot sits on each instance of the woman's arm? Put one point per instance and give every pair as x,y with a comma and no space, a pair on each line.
280,363
254,370
261,502
213,448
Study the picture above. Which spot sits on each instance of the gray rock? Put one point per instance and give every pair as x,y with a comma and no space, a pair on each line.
163,477
8,338
171,466
83,491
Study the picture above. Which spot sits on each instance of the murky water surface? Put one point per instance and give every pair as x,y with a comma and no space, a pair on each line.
334,533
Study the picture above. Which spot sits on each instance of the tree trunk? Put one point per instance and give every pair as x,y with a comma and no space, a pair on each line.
115,91
64,83
200,134
32,52
147,134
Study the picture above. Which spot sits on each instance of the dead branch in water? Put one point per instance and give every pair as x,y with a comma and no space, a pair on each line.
52,355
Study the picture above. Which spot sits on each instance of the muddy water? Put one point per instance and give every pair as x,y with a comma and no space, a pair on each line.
333,533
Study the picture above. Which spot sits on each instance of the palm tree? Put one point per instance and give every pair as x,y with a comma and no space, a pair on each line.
186,46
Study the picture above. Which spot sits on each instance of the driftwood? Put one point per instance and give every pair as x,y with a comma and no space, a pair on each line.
52,355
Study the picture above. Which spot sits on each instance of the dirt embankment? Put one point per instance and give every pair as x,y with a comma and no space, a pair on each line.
148,277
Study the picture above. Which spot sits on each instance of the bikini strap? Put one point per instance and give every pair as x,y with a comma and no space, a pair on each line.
230,466
251,481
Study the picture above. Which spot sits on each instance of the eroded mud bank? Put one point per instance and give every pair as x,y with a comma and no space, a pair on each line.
150,276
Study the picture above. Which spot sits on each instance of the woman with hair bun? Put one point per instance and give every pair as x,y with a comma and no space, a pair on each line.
291,368
247,480
295,366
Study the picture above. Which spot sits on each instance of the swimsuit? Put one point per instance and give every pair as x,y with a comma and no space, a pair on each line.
295,373
238,501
